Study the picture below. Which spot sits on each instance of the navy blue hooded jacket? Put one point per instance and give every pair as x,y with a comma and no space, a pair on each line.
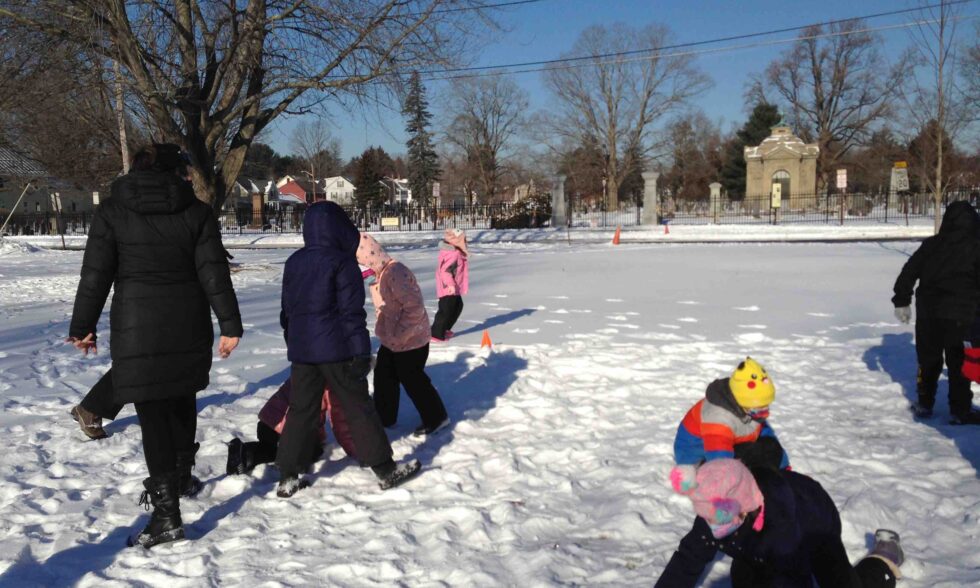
799,541
323,293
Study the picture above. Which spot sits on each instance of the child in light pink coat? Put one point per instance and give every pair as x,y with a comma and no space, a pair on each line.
452,282
402,326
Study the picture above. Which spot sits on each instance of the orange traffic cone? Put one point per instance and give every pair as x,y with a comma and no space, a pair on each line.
616,236
486,342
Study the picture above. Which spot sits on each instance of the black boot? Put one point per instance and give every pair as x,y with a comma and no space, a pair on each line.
188,484
165,524
391,474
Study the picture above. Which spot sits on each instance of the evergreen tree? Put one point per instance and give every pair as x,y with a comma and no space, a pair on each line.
759,126
368,170
423,163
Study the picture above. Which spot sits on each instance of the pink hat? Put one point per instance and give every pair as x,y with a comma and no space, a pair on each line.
370,253
456,238
723,491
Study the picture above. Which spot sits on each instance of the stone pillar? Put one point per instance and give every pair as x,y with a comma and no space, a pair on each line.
559,216
258,210
715,201
651,202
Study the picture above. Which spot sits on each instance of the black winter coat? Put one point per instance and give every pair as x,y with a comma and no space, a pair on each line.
323,292
947,267
799,540
161,249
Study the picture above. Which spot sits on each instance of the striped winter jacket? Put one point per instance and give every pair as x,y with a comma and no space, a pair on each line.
715,425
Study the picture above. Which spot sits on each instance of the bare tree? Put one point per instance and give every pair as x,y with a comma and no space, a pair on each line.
970,71
836,86
615,103
318,149
935,107
486,114
212,75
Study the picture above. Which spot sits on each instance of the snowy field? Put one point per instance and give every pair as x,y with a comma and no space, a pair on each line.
554,469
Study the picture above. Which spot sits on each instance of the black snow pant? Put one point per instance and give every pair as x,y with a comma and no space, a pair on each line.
300,435
935,338
870,572
450,307
406,368
100,399
169,427
266,448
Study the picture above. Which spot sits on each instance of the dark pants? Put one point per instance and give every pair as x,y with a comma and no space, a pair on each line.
406,368
300,434
169,426
100,399
935,338
450,307
868,573
266,448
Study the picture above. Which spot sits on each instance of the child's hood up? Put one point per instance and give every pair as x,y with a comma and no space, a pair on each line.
327,226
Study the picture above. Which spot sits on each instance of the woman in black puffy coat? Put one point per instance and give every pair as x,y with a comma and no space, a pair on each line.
160,248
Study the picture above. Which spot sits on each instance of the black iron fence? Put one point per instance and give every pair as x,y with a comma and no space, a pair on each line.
807,208
831,208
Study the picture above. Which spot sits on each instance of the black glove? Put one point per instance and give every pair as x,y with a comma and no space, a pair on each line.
359,367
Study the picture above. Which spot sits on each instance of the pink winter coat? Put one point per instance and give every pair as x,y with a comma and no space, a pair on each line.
274,412
403,323
452,272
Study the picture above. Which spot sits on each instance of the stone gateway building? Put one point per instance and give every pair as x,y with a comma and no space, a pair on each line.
782,158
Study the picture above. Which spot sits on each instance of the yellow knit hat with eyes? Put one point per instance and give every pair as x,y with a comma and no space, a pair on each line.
751,385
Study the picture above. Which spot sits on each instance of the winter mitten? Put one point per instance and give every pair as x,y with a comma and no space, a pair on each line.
683,478
888,548
903,314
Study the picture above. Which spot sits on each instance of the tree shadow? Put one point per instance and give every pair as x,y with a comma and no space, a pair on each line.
498,320
467,393
68,566
896,357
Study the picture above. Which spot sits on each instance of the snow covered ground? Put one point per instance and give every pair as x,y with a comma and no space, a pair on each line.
554,469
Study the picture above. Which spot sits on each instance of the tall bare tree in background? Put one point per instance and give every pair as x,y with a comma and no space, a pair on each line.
56,106
486,115
934,106
316,146
616,102
212,75
836,86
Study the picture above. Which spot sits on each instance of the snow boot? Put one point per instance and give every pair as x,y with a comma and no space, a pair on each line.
888,548
921,411
290,485
424,431
165,524
241,457
89,422
187,483
969,417
391,474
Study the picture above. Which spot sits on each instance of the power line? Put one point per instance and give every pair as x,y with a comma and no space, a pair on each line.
440,74
484,7
558,65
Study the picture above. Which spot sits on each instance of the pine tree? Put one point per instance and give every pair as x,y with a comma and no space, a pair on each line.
369,169
759,126
423,163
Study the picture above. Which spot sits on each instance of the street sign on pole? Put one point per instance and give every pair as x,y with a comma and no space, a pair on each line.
841,179
900,177
777,195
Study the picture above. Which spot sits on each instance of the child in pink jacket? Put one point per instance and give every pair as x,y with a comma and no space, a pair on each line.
243,457
402,326
452,281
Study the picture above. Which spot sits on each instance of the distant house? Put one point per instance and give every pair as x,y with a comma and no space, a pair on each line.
50,194
339,189
396,191
294,190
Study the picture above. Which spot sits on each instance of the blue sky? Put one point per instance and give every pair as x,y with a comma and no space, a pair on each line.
547,29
